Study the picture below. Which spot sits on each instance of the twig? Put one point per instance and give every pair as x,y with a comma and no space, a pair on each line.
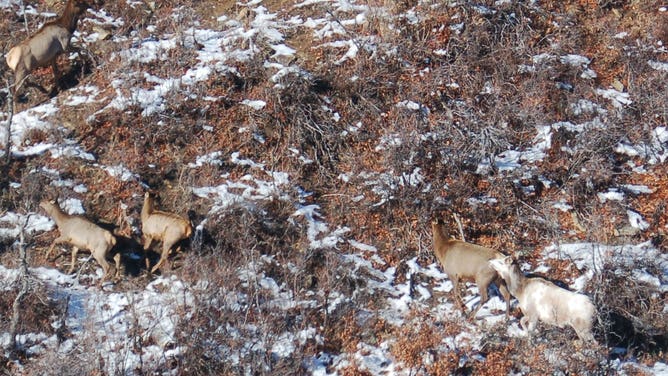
25,19
459,225
23,290
360,46
10,118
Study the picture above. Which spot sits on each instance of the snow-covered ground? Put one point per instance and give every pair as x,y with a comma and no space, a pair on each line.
113,319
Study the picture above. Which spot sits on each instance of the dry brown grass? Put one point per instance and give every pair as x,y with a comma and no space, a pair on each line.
465,126
418,344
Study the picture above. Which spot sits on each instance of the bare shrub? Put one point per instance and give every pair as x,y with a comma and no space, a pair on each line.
38,310
557,354
76,362
235,306
304,122
554,352
235,320
135,17
631,311
209,341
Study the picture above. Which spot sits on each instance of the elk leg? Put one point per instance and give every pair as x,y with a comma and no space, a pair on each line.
75,250
503,289
117,261
162,260
147,244
482,289
103,263
19,77
528,324
56,76
58,240
167,245
458,297
175,251
48,253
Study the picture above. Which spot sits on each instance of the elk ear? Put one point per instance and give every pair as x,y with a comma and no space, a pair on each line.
508,260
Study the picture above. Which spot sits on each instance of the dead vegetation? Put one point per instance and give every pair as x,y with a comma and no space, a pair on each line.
376,166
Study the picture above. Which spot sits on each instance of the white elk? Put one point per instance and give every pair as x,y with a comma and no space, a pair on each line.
44,47
542,300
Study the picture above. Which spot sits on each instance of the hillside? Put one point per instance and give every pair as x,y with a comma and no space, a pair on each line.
310,144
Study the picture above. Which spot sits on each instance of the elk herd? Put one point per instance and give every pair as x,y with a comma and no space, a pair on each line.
539,299
43,49
81,233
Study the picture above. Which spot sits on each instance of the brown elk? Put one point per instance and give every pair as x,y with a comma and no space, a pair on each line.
158,225
465,261
82,233
44,47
